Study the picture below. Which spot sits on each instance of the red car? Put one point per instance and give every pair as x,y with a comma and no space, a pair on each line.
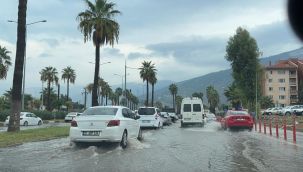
237,119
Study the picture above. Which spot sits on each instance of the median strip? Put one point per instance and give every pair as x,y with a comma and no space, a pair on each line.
8,139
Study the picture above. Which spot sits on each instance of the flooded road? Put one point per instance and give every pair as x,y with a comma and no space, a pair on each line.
169,149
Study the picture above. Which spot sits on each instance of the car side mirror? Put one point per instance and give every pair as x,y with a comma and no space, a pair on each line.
137,117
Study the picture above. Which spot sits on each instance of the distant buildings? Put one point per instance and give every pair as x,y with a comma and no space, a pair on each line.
283,80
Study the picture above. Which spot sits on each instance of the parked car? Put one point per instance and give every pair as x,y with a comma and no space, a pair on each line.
105,123
210,117
69,117
276,111
27,118
288,110
268,111
150,117
192,111
234,119
166,119
298,110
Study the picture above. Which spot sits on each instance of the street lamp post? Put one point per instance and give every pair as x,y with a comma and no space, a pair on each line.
121,77
24,65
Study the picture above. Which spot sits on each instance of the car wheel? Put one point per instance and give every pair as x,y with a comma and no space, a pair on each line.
124,140
25,123
140,135
250,129
287,113
40,122
182,124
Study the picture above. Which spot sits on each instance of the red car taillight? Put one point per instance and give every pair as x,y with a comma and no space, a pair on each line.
74,124
113,123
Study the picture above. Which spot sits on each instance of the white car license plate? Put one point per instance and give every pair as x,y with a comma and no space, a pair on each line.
146,121
240,119
91,133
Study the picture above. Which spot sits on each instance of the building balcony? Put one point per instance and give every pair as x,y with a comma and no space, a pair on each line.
294,100
292,83
293,92
293,75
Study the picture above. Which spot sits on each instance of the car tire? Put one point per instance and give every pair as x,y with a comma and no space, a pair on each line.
140,135
182,124
287,113
123,143
25,123
40,123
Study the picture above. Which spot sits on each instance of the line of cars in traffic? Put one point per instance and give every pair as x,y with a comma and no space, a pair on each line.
288,110
116,124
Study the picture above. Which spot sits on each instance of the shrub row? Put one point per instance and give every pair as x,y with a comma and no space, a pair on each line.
44,115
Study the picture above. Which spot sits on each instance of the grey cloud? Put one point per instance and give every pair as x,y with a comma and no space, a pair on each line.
44,55
51,42
196,51
136,55
113,53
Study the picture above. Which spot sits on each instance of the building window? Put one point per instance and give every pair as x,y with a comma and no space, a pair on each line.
281,97
281,88
281,80
270,89
270,80
271,96
281,71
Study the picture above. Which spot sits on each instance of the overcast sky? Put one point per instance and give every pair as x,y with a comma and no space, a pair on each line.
184,38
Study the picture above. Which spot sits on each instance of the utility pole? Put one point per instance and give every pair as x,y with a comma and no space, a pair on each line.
85,95
58,98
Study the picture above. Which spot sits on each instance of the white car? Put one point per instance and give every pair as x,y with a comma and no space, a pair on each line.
105,123
289,109
27,118
70,116
150,117
210,117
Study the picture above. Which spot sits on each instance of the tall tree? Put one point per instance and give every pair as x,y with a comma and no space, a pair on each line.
212,97
97,23
5,62
14,121
242,52
198,94
69,75
178,103
234,96
146,72
153,81
49,75
173,91
118,93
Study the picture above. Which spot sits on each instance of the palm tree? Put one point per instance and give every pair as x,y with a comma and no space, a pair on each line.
97,23
69,75
14,122
146,72
173,91
118,93
49,75
5,62
153,81
212,97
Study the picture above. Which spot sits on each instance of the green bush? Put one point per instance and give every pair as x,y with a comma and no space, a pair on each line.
4,114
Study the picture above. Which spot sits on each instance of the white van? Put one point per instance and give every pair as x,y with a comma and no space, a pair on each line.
192,111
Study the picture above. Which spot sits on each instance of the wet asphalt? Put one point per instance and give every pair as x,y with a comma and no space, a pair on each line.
173,148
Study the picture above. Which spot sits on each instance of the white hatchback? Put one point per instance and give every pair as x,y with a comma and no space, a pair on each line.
150,117
105,123
27,118
70,116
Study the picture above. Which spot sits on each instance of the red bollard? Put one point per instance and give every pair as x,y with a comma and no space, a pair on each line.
259,124
270,132
294,129
284,127
264,125
277,126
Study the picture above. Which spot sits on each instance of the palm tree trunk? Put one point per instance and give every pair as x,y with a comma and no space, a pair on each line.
97,66
106,100
14,122
118,100
48,96
67,90
146,93
152,101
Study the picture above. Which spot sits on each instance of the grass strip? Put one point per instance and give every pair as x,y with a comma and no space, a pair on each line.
8,139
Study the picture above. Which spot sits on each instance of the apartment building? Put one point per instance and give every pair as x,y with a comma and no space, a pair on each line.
282,80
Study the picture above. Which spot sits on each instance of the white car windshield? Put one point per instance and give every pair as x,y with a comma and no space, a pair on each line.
101,111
